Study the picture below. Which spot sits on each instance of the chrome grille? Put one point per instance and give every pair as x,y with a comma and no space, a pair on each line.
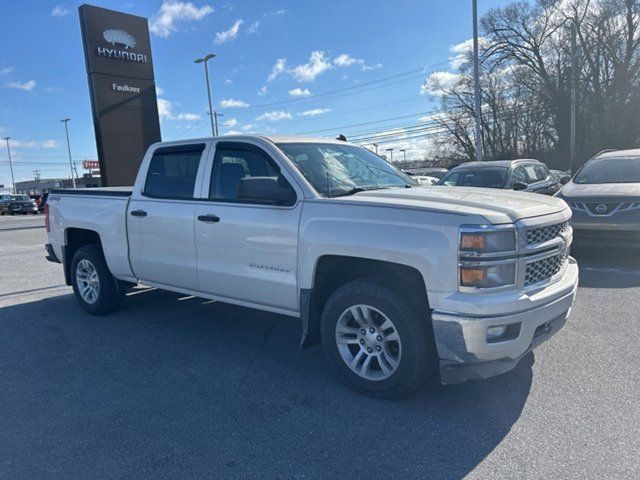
543,234
544,269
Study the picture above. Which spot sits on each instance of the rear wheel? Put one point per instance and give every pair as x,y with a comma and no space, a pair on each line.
94,286
378,340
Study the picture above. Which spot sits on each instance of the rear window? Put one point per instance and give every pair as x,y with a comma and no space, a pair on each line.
172,172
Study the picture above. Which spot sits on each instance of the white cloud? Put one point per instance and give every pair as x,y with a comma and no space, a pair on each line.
228,81
159,91
463,51
164,108
275,116
439,82
247,127
222,37
165,111
263,91
52,89
231,122
275,13
254,27
60,11
50,144
299,92
318,64
315,111
277,69
6,70
25,86
232,103
346,60
189,117
163,22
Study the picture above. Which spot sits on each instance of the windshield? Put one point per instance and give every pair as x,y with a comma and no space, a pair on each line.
481,177
610,170
334,170
19,198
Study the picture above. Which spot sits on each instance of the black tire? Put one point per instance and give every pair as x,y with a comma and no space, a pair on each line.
109,295
418,361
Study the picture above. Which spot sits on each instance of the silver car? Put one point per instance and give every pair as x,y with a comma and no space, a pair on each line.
604,196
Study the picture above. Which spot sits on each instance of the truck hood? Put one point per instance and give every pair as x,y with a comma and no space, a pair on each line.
575,190
497,206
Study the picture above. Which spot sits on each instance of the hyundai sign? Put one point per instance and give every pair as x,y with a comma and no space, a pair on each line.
117,53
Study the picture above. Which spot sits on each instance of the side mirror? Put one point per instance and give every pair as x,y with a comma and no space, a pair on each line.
265,190
565,179
519,186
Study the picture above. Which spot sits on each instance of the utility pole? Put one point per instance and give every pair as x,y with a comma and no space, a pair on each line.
476,82
212,114
66,129
404,155
375,145
390,150
13,181
574,75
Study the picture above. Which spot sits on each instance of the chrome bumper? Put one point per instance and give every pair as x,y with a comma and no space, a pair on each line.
466,354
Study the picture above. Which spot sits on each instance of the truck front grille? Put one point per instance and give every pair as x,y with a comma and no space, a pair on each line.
544,234
544,269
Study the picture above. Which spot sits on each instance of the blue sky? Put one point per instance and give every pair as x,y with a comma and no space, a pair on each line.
323,67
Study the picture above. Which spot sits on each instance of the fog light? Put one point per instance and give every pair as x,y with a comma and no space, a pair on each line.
494,333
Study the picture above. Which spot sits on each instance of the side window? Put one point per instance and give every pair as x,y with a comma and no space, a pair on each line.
233,164
532,173
519,176
172,172
543,172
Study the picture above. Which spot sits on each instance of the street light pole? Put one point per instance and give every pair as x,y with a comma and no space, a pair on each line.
375,145
476,82
404,155
212,114
66,129
13,181
390,150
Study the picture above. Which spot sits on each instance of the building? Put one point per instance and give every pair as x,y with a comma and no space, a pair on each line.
37,187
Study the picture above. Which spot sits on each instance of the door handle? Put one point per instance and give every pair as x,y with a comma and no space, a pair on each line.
209,218
138,213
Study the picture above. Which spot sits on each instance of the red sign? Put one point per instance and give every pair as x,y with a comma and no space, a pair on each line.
90,164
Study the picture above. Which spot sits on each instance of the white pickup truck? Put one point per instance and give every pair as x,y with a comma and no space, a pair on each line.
399,282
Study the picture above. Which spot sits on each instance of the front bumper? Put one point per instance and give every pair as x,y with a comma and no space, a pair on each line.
461,340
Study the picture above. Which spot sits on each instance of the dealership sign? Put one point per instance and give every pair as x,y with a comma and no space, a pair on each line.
119,63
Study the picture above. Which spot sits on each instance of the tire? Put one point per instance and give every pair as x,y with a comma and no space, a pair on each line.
108,296
408,362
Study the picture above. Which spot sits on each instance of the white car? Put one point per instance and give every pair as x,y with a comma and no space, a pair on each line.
399,282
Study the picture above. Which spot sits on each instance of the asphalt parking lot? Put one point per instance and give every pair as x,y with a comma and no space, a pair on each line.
179,387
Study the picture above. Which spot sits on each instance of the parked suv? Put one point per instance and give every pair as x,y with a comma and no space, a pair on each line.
527,174
13,204
605,198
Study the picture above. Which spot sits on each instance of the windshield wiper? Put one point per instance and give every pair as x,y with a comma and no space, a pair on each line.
355,190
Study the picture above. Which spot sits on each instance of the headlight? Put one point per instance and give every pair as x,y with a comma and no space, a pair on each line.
488,276
488,242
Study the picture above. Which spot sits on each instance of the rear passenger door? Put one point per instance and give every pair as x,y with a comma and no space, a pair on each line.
247,249
161,216
536,180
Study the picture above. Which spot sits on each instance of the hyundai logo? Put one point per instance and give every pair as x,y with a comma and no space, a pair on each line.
119,37
601,208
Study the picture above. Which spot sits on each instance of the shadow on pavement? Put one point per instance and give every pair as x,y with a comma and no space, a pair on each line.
171,386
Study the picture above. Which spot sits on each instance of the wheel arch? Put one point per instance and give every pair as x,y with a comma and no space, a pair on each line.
333,271
74,238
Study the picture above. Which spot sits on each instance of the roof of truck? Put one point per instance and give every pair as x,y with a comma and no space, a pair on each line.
271,138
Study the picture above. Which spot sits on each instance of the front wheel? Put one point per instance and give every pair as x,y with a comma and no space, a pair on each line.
95,288
378,340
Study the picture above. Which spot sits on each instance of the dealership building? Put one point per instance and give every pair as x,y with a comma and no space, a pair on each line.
39,186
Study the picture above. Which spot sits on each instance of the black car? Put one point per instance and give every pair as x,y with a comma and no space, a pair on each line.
526,174
436,172
12,204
